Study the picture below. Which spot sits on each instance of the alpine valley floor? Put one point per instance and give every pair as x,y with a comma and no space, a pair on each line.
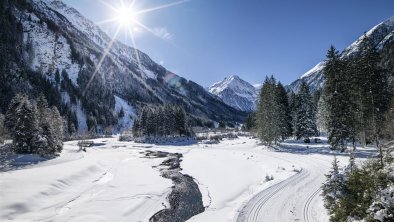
115,181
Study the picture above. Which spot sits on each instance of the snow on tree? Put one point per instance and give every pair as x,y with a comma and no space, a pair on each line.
34,128
332,188
305,116
336,95
161,121
25,128
284,112
268,113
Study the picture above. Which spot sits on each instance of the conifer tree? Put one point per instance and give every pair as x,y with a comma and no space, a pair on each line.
267,113
284,112
25,128
293,110
333,187
375,87
305,124
336,96
10,117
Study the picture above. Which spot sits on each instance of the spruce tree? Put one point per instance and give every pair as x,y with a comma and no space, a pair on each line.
336,95
293,110
376,91
267,113
333,187
305,124
10,117
26,127
284,112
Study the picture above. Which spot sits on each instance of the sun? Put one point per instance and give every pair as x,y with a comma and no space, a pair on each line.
126,16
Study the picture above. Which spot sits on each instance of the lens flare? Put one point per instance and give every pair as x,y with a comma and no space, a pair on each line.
126,17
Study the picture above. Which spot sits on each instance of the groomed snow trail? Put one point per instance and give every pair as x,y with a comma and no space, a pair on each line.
294,199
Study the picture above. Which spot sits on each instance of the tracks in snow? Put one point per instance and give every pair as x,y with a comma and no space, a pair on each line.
252,211
307,205
293,199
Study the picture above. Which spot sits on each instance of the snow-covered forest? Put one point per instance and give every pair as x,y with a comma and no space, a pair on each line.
92,129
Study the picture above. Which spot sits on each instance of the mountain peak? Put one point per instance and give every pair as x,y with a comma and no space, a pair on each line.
236,92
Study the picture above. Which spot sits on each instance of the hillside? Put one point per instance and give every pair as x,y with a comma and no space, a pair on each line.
382,36
57,52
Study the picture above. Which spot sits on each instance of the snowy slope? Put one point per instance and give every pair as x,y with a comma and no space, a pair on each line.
236,92
381,34
57,37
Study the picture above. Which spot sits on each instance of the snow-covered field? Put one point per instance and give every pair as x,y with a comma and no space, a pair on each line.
113,181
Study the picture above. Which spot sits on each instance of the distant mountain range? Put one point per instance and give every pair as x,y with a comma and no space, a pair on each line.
243,96
53,38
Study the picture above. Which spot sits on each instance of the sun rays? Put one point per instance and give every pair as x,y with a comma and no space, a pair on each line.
127,18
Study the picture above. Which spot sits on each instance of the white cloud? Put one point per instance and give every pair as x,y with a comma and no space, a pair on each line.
162,33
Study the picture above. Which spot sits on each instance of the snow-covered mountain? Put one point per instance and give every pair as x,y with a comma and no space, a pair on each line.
236,92
381,35
55,38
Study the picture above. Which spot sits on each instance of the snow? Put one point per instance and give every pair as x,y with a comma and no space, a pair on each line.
129,113
113,181
381,34
49,51
317,69
237,171
108,183
81,116
236,92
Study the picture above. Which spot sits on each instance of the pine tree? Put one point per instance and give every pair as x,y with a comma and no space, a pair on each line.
389,121
250,122
49,140
305,124
284,112
10,117
337,98
377,91
269,130
333,187
293,110
26,127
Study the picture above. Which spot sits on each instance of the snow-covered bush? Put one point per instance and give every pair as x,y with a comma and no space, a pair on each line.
382,209
361,193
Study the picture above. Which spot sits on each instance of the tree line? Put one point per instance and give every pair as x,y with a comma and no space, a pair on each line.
356,98
161,121
355,106
34,127
280,115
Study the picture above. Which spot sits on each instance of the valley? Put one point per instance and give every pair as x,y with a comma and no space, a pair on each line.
115,181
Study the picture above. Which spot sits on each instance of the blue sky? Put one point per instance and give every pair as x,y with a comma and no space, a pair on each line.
207,40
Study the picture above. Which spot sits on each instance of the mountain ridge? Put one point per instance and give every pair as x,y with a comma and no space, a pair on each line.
381,34
56,38
236,92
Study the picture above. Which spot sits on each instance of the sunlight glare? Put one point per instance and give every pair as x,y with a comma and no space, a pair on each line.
126,16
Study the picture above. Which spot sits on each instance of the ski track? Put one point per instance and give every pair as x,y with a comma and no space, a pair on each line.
293,198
